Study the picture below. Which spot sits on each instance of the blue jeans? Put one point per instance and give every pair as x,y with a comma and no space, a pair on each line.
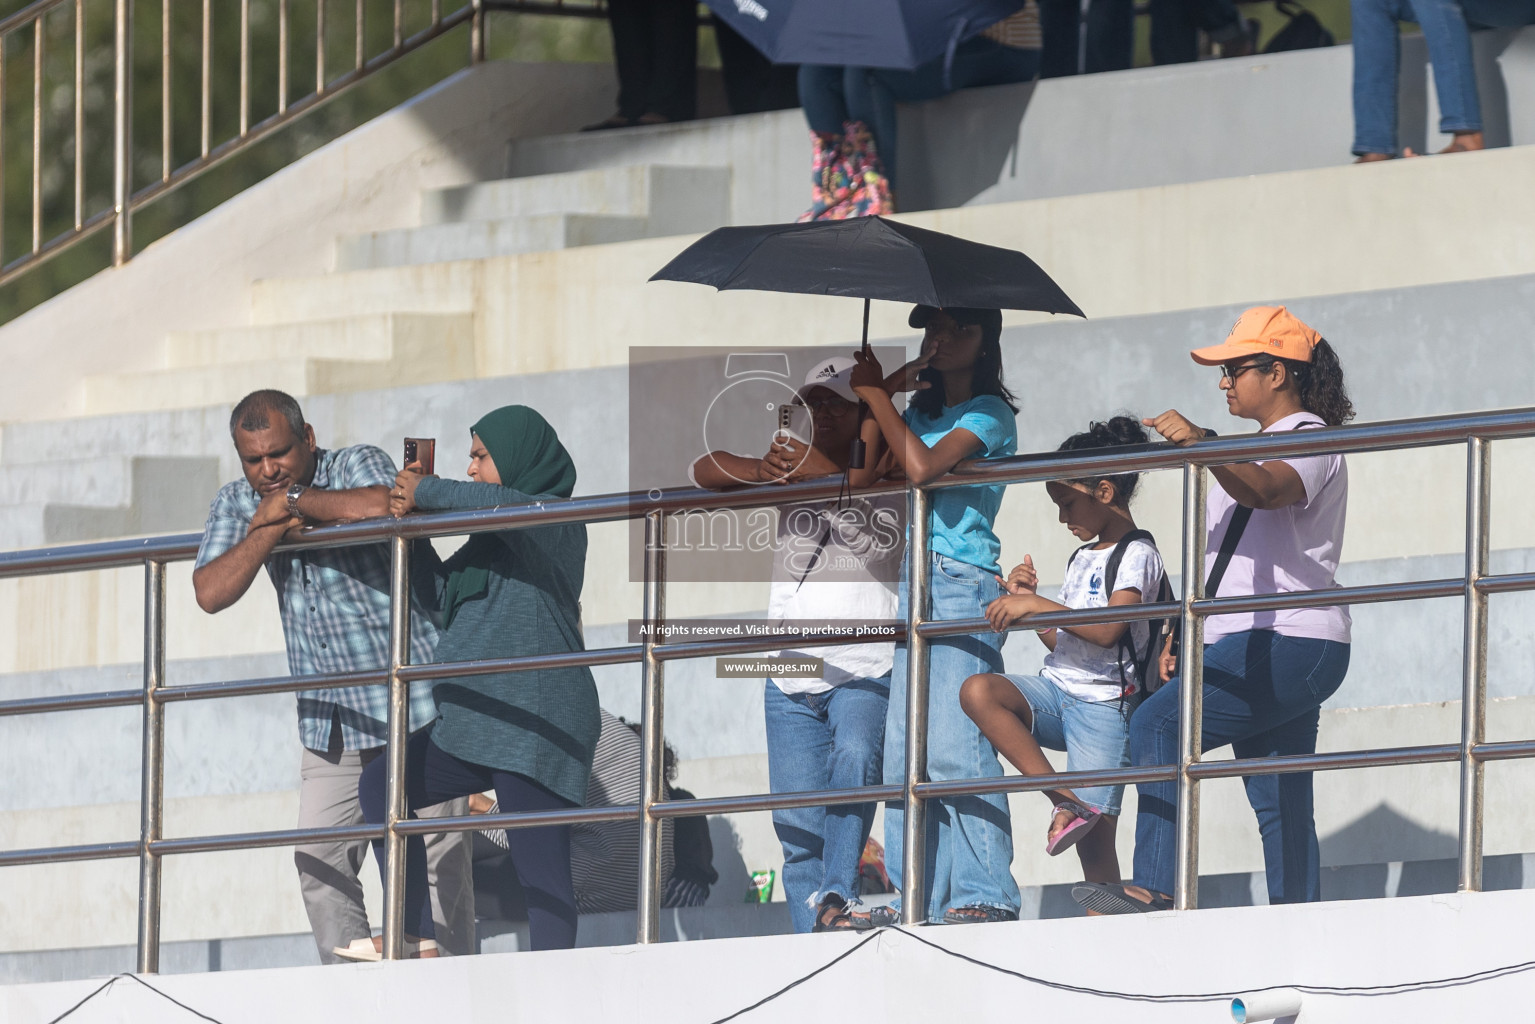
969,838
832,95
830,740
1377,56
1262,695
1110,36
1094,733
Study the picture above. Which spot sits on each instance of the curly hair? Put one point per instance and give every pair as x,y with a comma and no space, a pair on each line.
1319,384
986,377
1113,433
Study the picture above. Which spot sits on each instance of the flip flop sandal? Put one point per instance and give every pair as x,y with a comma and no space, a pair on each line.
981,914
877,917
1112,898
362,951
840,921
1067,837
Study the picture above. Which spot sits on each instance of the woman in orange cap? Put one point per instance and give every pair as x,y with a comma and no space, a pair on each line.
1272,527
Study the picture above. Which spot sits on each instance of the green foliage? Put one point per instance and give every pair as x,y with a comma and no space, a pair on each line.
509,36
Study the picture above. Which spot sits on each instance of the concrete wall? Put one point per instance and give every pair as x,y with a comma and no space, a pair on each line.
903,976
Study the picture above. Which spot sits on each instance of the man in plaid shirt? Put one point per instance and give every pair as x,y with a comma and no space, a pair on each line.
335,616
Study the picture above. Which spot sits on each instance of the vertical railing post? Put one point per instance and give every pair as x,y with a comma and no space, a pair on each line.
1473,700
399,732
914,836
652,730
477,33
152,768
1191,671
122,135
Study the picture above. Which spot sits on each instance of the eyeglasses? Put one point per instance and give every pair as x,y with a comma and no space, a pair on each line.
1232,372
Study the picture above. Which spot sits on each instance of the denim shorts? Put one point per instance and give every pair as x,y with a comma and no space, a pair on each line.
1094,734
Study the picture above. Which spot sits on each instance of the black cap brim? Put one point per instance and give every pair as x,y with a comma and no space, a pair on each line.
962,315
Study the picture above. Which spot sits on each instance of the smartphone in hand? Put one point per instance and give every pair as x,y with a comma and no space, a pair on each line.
422,450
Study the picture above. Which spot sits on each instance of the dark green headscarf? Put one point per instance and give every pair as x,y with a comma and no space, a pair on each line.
530,458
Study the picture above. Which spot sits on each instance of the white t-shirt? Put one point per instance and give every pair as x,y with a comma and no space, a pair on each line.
1285,549
852,577
1085,670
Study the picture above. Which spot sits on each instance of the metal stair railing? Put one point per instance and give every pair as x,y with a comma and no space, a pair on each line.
1474,430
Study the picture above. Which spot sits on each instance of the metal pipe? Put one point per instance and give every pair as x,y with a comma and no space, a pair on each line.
37,134
206,134
79,115
2,152
360,44
1505,751
395,809
61,854
477,33
152,769
319,46
1473,699
282,55
72,702
399,24
165,90
122,135
245,66
652,732
1507,583
1191,672
914,833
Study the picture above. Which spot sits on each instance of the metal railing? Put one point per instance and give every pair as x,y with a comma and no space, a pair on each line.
1475,431
53,38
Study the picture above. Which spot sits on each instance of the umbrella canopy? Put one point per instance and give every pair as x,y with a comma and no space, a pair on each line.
868,258
862,33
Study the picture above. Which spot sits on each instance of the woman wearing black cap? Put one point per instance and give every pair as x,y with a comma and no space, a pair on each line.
959,410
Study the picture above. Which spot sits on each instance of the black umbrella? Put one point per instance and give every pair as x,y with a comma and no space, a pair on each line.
864,33
868,258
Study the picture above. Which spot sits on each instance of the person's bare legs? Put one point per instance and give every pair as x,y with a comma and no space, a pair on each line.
1100,860
1005,718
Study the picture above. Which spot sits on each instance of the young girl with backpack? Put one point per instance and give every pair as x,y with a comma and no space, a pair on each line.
960,409
1094,676
1272,527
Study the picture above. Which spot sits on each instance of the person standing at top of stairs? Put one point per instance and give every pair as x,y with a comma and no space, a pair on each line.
335,615
655,49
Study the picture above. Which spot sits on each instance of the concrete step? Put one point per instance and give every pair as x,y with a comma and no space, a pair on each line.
438,243
430,288
357,337
688,198
420,350
121,497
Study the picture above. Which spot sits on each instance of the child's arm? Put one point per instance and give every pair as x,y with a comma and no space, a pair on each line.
921,464
1010,609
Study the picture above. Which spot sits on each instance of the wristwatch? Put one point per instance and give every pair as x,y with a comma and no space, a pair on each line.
294,491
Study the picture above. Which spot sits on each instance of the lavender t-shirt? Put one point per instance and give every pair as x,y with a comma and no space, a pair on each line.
1285,550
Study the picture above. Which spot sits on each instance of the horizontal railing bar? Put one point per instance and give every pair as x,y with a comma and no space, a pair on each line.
773,801
611,507
72,702
1508,750
258,840
522,663
1507,583
1380,593
519,819
1031,783
272,684
1284,764
724,647
1386,435
60,854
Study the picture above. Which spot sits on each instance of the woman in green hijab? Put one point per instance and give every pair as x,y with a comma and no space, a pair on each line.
528,735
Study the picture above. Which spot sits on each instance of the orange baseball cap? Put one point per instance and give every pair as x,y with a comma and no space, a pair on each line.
1266,331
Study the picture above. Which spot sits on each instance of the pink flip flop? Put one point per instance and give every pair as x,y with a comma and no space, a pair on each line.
1067,837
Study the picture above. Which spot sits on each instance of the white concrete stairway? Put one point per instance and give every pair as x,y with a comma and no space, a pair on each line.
313,356
546,212
114,496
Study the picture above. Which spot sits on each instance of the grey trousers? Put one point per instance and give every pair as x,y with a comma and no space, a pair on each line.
328,872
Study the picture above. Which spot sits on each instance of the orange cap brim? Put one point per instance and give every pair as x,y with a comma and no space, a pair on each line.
1215,355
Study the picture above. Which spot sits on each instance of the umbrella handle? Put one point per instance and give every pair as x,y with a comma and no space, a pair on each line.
865,326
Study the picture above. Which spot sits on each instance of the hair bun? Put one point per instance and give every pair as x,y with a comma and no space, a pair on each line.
1119,430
